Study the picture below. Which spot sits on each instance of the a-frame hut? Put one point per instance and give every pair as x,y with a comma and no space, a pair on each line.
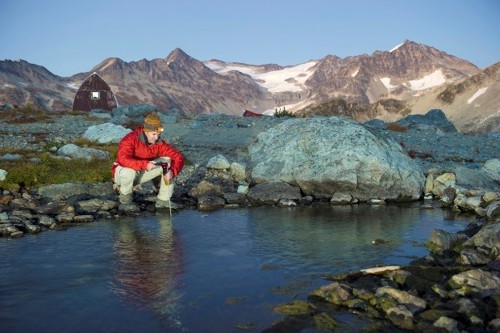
94,93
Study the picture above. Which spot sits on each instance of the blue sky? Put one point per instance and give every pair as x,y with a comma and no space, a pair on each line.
69,37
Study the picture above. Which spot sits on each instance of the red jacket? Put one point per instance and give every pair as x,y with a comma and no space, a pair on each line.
134,152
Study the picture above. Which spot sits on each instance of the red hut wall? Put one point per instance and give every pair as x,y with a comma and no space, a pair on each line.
94,93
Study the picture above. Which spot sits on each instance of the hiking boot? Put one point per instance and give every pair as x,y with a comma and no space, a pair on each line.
126,199
166,204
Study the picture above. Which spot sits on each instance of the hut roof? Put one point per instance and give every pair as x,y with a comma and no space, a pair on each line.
94,93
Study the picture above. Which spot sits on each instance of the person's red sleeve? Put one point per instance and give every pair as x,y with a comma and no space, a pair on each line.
126,156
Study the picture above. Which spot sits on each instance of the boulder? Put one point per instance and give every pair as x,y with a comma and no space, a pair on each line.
73,151
324,156
433,120
106,133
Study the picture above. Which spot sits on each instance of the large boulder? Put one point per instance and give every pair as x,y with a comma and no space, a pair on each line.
325,156
433,120
106,133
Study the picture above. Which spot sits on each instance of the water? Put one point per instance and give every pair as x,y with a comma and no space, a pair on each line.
199,272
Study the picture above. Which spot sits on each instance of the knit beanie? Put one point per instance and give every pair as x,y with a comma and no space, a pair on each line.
152,123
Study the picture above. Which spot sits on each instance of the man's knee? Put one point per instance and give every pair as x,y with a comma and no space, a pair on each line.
125,175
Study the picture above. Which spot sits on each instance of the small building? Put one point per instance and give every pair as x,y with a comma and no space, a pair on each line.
94,93
249,113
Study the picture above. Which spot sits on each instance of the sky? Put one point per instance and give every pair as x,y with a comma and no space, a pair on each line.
70,37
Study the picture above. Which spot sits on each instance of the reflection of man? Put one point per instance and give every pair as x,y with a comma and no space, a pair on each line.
136,162
149,266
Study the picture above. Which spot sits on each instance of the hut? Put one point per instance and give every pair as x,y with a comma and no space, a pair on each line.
249,113
94,93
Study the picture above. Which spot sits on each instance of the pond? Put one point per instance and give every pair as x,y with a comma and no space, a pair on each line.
222,271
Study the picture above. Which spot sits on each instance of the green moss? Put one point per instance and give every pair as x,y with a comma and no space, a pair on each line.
386,303
323,321
295,308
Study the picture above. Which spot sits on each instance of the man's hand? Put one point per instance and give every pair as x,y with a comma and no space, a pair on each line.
169,175
151,166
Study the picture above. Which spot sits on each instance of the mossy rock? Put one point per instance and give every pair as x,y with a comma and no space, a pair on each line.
432,315
401,319
357,304
385,303
296,308
324,321
422,278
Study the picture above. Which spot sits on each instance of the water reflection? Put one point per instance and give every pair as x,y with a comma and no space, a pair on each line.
148,267
330,238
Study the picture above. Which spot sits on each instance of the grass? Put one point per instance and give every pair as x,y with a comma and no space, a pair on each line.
37,169
40,168
25,115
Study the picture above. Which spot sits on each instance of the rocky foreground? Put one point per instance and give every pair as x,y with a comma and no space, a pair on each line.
238,162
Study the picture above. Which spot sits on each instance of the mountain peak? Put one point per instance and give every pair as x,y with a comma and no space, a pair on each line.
178,55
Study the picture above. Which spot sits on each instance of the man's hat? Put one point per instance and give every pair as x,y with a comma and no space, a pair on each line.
152,123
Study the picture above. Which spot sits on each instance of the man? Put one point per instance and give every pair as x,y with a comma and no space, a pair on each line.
136,162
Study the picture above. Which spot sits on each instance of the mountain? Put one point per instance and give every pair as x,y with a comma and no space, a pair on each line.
22,83
182,82
472,103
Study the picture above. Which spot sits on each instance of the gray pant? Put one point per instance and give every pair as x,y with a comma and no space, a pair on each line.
126,178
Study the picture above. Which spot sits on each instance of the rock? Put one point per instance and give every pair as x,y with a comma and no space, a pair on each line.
243,189
210,203
441,240
218,162
56,191
492,169
447,324
235,198
488,238
327,155
10,157
272,193
493,211
205,188
106,133
73,151
442,182
83,218
475,179
3,174
238,171
286,203
46,221
413,303
341,199
476,280
472,257
434,120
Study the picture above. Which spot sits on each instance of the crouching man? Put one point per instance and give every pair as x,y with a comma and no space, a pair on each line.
136,162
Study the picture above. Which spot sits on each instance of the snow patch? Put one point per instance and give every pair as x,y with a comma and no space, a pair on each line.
6,85
286,79
477,94
386,81
396,47
72,85
432,80
355,73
